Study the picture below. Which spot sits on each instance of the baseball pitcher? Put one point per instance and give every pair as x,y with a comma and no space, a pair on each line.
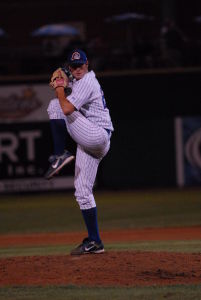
84,114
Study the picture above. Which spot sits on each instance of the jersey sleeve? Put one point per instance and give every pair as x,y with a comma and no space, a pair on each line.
81,92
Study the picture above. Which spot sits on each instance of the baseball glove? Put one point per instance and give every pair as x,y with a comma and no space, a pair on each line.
59,79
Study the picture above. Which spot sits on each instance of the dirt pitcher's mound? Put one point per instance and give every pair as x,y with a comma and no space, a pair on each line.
108,269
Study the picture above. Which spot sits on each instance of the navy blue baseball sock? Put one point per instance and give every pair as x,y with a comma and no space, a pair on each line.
59,135
91,221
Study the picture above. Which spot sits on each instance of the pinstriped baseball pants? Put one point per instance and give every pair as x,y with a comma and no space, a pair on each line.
93,143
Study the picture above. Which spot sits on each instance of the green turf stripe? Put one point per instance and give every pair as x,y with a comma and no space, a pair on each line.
169,246
179,292
59,212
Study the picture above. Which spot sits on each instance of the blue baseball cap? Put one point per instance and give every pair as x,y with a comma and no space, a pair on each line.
77,56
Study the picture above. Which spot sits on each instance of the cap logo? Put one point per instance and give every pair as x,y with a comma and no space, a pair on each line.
75,56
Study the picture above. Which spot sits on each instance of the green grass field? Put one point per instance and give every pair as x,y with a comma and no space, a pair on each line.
59,212
169,246
122,209
191,292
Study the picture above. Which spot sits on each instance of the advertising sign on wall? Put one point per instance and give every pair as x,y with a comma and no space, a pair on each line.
188,151
25,140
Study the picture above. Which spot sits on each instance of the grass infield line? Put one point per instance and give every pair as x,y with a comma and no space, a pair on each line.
174,292
164,246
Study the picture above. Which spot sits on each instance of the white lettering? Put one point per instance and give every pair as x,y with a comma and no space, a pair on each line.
20,170
10,170
30,137
10,147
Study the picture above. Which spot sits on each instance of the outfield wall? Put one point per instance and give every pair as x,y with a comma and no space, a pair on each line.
156,142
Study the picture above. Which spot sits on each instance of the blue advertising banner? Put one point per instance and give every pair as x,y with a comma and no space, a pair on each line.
188,151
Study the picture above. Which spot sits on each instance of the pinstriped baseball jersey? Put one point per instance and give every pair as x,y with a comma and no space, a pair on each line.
87,97
87,127
93,144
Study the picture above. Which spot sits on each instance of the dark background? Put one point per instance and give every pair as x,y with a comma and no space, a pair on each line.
21,53
20,17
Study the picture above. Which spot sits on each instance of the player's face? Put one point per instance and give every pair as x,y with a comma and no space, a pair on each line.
78,71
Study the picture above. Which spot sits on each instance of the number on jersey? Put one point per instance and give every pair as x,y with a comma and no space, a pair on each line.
103,98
